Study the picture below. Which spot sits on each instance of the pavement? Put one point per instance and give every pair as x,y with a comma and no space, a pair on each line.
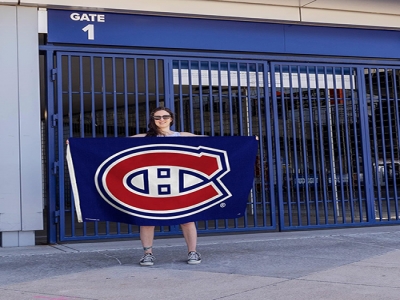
351,263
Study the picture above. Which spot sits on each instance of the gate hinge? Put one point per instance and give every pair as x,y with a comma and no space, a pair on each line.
54,119
55,167
53,74
56,216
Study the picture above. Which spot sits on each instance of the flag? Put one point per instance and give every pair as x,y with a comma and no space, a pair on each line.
161,181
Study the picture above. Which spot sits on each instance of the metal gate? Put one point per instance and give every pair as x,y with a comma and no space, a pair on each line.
110,95
328,133
336,133
383,117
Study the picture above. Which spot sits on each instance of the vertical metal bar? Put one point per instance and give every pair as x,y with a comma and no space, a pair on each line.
239,100
221,118
114,92
249,114
294,137
240,114
330,146
260,138
71,134
92,94
389,119
383,140
278,161
136,93
321,142
267,77
201,98
146,85
304,148
348,145
211,100
191,118
356,109
249,110
366,143
230,100
168,67
339,148
288,174
156,82
181,112
81,99
104,90
126,106
50,147
311,123
397,129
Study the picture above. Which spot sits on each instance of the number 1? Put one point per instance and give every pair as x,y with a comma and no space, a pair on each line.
90,30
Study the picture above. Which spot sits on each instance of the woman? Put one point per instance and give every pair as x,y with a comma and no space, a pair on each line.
161,119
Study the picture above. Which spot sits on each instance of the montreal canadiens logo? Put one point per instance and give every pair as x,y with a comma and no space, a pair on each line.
164,181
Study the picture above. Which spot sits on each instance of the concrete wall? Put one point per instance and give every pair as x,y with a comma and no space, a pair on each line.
20,139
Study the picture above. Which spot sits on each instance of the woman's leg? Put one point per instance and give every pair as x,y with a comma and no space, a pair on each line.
147,238
190,234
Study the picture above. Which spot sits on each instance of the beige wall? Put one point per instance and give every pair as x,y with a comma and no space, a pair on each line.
369,13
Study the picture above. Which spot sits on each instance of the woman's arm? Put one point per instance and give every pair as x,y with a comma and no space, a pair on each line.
139,135
187,134
190,134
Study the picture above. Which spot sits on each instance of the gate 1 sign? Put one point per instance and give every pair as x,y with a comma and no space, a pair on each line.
82,27
156,181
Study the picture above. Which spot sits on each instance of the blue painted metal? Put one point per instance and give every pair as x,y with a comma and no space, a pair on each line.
317,140
222,35
226,55
212,99
52,208
94,99
383,118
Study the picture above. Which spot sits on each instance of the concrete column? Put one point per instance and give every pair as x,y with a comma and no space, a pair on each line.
20,136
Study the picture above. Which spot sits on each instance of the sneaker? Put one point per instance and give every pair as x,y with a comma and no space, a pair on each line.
147,260
194,258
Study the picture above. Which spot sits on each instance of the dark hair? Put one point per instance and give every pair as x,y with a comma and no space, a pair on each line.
153,129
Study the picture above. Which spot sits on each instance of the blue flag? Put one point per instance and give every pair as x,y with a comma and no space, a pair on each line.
161,181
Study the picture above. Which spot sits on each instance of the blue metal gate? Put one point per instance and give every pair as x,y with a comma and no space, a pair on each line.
336,133
328,133
320,145
383,116
110,95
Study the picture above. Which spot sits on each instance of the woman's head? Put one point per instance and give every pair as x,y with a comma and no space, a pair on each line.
161,118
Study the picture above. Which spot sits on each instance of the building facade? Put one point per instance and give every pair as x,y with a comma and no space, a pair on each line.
316,80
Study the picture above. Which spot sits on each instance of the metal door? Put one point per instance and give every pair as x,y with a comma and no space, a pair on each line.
321,145
111,95
228,98
383,110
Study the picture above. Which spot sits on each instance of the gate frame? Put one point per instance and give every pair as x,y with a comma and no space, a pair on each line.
51,50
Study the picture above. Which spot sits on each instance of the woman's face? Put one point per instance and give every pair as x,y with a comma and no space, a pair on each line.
164,121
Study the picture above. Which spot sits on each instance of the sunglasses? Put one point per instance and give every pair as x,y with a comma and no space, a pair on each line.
165,117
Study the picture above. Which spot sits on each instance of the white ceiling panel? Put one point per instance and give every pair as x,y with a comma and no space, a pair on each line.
352,18
373,6
269,2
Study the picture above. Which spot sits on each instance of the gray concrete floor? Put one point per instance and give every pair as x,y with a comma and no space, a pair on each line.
353,263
